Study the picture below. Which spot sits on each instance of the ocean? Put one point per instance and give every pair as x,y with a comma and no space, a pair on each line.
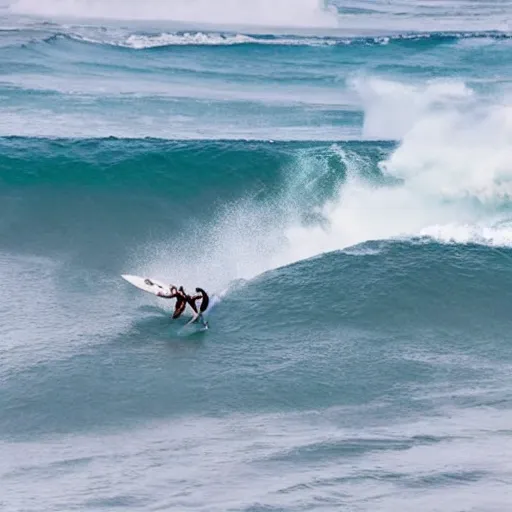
339,172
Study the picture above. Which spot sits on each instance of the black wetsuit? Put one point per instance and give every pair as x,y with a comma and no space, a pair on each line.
206,300
187,299
180,306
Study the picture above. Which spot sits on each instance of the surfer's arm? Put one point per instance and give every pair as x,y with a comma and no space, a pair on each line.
166,296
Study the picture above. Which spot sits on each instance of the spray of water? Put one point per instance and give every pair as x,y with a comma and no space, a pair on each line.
451,180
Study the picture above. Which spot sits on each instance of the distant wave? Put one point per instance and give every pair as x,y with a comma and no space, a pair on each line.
146,41
143,41
140,40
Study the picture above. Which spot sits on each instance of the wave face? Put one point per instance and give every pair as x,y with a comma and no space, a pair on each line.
339,173
276,203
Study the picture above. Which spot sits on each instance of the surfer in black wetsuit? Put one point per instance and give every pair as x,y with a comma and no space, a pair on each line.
205,299
181,301
188,299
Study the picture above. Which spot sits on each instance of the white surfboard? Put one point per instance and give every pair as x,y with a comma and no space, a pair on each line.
147,284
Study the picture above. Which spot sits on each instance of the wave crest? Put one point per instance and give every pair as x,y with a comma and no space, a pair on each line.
141,41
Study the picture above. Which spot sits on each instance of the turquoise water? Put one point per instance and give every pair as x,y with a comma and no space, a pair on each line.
341,174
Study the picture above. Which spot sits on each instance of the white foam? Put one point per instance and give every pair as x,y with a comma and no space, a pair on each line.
270,13
491,235
143,41
197,38
140,41
393,108
454,163
355,17
458,152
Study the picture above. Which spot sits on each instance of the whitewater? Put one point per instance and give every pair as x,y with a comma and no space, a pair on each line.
340,171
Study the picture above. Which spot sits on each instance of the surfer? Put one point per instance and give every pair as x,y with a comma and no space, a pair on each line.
205,299
188,299
181,300
172,292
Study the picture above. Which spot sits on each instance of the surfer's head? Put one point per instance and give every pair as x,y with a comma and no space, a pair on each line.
173,288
